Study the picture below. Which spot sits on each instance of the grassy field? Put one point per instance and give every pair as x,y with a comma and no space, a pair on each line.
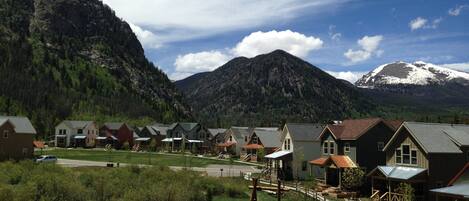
135,158
25,181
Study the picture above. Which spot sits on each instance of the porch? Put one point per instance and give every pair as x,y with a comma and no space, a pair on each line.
385,181
280,165
334,166
251,152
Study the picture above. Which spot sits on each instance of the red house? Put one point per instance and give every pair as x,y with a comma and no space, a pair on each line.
120,132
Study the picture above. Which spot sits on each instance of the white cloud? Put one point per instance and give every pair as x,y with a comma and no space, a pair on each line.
335,36
199,62
147,38
457,66
422,23
369,47
417,23
370,43
264,42
355,56
351,76
179,20
457,10
252,45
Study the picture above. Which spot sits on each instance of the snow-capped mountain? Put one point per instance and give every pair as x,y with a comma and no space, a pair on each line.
417,73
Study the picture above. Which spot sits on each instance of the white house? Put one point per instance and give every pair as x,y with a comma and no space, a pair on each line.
76,133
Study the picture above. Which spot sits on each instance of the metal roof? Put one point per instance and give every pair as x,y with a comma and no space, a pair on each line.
80,137
269,138
215,131
304,131
458,186
438,138
22,124
77,124
278,154
400,172
142,139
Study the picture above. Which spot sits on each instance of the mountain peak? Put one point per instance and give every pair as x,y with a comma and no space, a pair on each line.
416,73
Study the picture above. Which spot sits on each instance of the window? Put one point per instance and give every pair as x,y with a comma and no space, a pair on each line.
287,145
380,146
254,140
406,155
347,147
398,156
25,151
231,138
6,133
331,148
304,165
325,147
245,138
413,157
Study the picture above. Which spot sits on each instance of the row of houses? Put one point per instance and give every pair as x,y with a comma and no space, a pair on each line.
174,137
432,157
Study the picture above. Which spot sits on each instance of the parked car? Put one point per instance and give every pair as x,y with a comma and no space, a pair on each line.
46,159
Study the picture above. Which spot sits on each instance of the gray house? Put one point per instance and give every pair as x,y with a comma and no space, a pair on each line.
300,144
234,140
187,136
425,155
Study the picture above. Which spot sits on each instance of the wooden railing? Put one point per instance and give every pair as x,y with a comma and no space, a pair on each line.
387,196
375,196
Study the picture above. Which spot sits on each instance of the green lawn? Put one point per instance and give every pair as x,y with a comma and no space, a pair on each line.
263,196
135,158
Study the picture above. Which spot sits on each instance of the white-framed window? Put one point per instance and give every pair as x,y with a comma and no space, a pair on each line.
287,145
380,146
25,151
254,140
406,155
331,147
325,147
347,147
6,133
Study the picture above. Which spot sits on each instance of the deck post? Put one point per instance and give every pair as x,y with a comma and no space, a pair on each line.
340,178
254,189
279,196
372,185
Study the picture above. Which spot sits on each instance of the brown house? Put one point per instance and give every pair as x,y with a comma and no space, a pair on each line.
16,138
358,142
266,139
425,155
116,134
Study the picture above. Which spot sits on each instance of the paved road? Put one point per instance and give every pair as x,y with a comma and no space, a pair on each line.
211,170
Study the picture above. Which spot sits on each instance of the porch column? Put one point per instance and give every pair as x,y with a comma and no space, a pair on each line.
372,185
340,177
325,175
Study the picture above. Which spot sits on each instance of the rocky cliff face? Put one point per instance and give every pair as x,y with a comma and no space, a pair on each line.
268,88
77,59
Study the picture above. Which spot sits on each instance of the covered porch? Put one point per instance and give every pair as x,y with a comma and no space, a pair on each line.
79,141
280,165
226,148
385,181
333,168
141,143
251,152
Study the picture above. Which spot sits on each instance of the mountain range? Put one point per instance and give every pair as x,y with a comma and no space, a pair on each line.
74,59
268,88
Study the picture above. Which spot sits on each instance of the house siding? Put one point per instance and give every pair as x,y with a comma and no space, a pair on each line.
12,147
403,137
367,153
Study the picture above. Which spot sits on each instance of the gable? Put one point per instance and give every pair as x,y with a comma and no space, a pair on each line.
405,138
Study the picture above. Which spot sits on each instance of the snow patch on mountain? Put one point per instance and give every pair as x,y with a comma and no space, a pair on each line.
417,73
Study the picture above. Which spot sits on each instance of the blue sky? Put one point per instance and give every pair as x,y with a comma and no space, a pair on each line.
343,37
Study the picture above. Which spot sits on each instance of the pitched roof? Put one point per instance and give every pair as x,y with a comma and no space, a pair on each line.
340,161
215,131
114,125
436,137
269,138
21,124
162,129
77,124
352,129
38,144
187,126
304,131
241,132
399,172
